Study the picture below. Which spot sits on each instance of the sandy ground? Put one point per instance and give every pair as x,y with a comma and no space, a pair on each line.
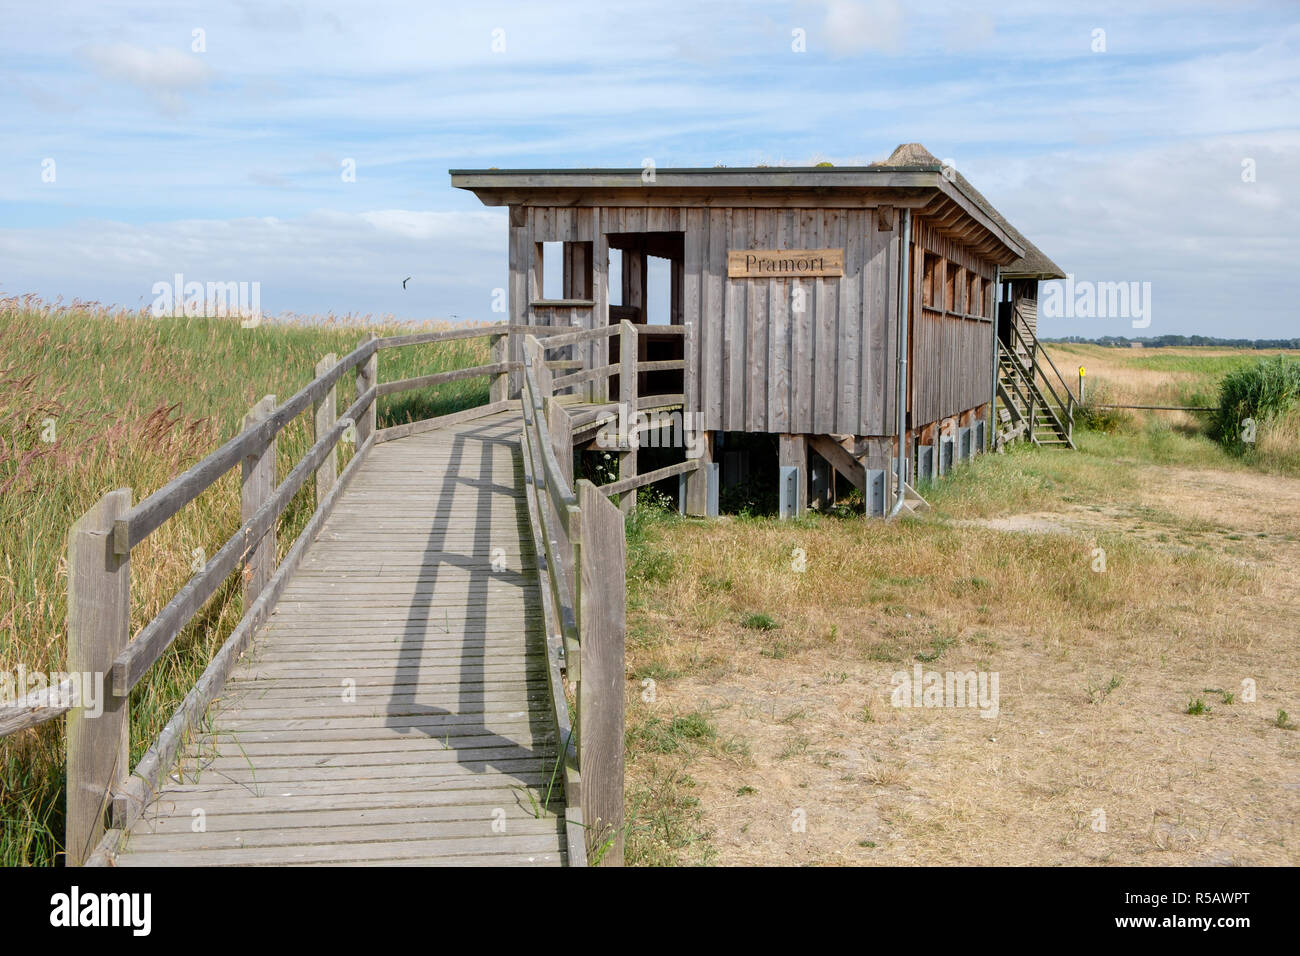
1071,770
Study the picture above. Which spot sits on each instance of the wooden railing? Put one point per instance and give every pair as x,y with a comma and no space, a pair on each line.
581,553
1065,406
580,545
1033,375
627,369
99,573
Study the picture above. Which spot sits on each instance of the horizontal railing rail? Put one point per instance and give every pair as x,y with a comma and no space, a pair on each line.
150,514
1032,397
101,543
584,559
579,531
156,636
1064,408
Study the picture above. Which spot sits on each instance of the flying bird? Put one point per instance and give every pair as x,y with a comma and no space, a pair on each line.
406,280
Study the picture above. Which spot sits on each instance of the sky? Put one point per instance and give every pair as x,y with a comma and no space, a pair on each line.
1132,142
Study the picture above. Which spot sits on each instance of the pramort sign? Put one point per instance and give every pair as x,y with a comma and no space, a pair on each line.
784,263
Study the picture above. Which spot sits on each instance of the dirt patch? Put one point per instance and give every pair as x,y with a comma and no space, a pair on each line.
1092,756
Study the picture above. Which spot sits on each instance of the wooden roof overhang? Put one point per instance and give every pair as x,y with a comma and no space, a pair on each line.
943,203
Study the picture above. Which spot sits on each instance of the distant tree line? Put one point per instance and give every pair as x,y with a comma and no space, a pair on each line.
1167,341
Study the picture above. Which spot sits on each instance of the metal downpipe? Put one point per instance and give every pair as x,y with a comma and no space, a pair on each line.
900,400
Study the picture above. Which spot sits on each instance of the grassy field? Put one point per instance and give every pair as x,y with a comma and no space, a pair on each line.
92,400
757,691
759,694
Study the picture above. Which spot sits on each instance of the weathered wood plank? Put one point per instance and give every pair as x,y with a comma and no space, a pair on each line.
99,617
600,691
649,477
324,415
441,378
446,421
159,757
446,663
40,706
140,654
256,487
146,516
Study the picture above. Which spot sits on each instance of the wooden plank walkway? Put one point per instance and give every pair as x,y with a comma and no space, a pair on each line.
394,710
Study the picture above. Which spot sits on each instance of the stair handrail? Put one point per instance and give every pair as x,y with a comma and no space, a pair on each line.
1022,374
1033,350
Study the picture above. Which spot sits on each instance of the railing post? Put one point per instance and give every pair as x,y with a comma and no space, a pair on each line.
326,413
559,430
541,374
498,346
602,626
628,348
367,378
99,627
257,486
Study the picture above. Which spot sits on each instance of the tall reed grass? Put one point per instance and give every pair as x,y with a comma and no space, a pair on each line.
93,399
1260,395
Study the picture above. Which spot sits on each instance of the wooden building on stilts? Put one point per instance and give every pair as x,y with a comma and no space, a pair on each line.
879,320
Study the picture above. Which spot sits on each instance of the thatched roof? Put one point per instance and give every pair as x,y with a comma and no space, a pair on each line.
1034,264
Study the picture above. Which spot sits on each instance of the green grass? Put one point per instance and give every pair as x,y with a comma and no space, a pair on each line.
1105,468
670,736
1209,362
1261,393
135,400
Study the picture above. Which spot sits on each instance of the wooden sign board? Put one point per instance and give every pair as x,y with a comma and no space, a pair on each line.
784,263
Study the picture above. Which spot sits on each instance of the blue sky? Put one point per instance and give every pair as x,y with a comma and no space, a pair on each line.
225,163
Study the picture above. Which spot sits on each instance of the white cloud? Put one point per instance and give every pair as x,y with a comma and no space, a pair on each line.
857,26
322,262
1105,161
163,73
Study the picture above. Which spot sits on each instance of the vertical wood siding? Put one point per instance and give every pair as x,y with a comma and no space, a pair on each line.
813,355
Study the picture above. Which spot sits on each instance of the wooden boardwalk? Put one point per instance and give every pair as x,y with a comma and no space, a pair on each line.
394,708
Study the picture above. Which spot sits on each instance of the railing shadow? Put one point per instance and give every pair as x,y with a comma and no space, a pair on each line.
481,634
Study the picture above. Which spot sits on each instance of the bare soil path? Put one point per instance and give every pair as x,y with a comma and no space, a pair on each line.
1093,757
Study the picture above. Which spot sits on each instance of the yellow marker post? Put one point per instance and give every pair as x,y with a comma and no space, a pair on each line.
1081,374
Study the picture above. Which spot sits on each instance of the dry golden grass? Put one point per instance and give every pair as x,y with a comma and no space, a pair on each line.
1097,671
134,401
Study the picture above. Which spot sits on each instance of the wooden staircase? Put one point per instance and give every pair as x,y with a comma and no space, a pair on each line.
1030,406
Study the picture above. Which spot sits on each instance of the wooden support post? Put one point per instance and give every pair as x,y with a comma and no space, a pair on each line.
821,484
499,348
634,279
560,430
367,376
793,453
628,347
697,481
257,486
99,627
541,374
325,414
602,625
